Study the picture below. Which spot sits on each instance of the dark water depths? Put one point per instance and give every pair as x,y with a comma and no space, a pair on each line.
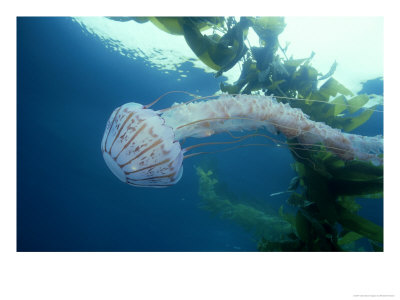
67,199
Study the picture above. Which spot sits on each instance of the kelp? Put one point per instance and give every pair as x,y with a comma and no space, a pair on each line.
311,229
220,53
295,81
349,203
262,68
330,186
359,224
261,223
349,237
311,232
354,178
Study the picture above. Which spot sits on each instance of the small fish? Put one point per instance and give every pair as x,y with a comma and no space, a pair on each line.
279,193
293,185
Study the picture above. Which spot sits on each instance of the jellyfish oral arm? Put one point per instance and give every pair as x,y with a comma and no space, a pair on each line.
249,112
141,146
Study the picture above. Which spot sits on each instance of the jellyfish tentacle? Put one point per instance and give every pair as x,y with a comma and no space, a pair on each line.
165,94
252,145
332,148
217,143
325,102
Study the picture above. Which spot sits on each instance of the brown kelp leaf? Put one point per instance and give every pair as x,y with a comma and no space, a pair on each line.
350,123
359,224
349,237
332,87
355,103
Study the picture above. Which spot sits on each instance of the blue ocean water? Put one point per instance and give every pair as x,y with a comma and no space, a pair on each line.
68,84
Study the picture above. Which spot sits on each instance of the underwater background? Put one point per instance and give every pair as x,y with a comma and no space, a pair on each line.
68,84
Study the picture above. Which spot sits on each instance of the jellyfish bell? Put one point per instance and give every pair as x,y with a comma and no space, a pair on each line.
140,149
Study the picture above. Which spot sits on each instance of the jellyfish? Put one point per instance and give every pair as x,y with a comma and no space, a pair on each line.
141,146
